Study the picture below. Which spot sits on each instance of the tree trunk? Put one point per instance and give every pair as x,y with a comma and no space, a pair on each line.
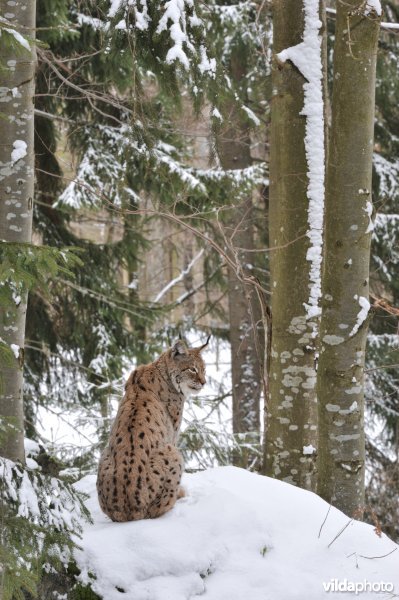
245,341
346,261
16,194
233,147
291,416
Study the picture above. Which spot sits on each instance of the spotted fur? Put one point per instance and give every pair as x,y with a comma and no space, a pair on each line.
140,470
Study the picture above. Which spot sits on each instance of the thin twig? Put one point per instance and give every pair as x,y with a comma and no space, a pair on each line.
340,533
325,519
382,556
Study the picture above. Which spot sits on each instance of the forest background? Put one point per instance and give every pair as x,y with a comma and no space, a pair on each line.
154,218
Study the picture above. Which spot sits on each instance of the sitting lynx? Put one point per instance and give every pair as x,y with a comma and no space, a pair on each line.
140,469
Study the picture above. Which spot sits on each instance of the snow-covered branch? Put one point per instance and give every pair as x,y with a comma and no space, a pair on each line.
180,277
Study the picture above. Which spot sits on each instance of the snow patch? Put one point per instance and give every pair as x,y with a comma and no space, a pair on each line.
115,6
362,314
215,113
251,115
369,211
31,464
306,56
175,11
206,65
373,6
142,18
31,447
19,151
28,504
18,38
15,349
95,23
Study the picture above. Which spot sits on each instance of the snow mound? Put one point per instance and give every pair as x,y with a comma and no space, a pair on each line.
236,535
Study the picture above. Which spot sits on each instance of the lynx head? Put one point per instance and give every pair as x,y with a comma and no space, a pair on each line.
186,368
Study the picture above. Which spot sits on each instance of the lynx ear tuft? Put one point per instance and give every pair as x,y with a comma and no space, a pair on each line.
179,349
204,345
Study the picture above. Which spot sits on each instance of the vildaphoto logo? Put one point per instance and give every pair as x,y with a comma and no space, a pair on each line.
358,587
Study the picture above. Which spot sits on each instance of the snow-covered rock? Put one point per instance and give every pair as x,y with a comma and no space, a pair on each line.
236,536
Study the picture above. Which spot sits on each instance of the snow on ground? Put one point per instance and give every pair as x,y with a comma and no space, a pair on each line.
236,536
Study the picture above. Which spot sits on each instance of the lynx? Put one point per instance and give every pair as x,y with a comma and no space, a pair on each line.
140,470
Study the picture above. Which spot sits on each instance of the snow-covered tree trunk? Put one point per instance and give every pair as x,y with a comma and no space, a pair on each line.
17,72
295,226
233,145
348,230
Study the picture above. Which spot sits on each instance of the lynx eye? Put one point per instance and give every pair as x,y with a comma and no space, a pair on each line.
193,370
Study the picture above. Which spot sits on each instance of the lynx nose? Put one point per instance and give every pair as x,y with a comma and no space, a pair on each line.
202,380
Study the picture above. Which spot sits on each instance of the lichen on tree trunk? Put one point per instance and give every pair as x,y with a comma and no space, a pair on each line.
16,199
345,287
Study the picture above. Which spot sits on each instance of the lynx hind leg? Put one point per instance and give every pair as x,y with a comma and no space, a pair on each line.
166,471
